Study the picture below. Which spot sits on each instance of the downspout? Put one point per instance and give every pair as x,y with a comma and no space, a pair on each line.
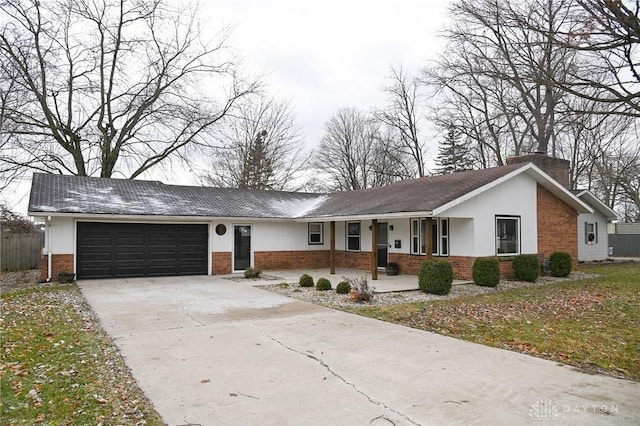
47,240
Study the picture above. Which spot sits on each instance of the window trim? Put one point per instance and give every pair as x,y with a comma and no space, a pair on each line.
348,236
587,233
444,237
320,234
416,239
518,220
438,237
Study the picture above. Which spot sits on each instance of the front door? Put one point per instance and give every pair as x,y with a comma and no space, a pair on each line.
383,244
241,247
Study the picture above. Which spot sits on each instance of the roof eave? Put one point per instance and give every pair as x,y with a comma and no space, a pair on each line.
556,189
601,207
154,218
367,216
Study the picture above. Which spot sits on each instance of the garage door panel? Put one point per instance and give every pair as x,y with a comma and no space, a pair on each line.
108,250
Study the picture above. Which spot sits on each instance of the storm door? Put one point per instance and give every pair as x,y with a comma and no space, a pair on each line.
383,244
241,247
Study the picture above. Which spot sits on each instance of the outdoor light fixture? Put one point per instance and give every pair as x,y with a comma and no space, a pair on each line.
390,227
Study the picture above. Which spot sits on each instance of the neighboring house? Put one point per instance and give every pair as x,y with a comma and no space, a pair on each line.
593,241
100,227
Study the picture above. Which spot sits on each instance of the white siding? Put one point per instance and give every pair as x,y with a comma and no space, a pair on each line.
461,236
515,197
62,235
598,251
271,236
401,231
285,236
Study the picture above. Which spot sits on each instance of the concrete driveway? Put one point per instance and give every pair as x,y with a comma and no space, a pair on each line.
210,351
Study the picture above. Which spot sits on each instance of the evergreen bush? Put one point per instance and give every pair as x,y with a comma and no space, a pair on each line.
486,271
436,277
526,267
343,287
306,280
560,264
323,284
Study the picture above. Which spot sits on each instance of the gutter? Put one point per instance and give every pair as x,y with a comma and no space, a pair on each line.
47,239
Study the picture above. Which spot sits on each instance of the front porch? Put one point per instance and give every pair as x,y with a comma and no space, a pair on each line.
384,283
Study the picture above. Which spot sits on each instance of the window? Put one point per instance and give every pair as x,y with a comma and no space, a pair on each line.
439,236
418,232
590,233
507,235
353,236
316,234
434,237
444,237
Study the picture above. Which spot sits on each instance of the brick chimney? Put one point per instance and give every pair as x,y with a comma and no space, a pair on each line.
557,168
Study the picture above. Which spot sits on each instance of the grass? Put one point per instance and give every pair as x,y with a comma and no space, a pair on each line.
592,324
59,367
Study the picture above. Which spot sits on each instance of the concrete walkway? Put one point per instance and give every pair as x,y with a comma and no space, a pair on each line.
384,283
210,351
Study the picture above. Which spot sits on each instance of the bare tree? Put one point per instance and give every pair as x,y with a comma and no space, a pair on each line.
607,33
260,148
494,75
354,153
402,116
14,222
109,86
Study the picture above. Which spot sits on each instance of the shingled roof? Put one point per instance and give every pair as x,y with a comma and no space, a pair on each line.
101,196
62,194
415,195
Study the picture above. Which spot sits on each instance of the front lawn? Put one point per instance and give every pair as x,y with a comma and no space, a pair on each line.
59,367
592,323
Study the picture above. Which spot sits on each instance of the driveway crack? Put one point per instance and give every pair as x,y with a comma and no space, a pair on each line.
192,318
336,375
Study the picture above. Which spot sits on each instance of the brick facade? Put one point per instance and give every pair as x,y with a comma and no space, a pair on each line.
59,263
220,262
557,226
307,259
409,263
353,259
462,265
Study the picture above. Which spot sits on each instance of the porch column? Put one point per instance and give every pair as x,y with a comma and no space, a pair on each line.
374,249
332,247
428,236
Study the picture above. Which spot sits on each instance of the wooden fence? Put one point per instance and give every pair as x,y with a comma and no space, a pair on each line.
19,252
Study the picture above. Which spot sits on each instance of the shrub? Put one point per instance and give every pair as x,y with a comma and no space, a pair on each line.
323,284
252,273
66,277
360,290
486,271
306,280
560,264
436,277
343,287
526,267
283,285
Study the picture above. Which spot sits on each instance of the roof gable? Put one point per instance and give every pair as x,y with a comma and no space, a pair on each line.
422,195
593,201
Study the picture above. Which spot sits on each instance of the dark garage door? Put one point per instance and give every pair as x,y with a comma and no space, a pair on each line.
118,250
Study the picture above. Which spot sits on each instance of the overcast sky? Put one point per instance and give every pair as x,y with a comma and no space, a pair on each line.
320,55
323,55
